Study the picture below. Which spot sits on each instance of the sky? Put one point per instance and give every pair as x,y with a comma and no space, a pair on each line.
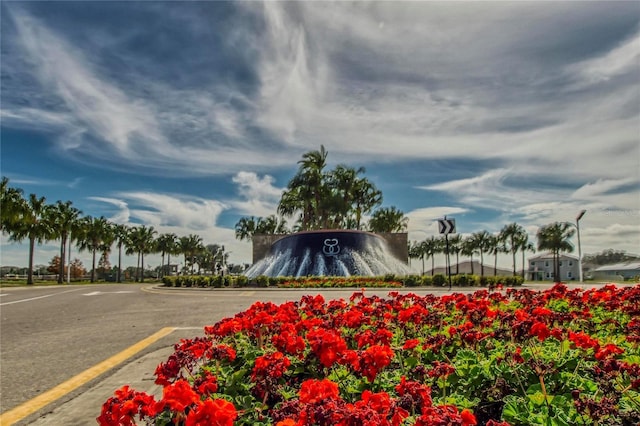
187,116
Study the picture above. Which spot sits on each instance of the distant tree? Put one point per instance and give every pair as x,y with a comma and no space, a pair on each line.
556,238
104,266
609,257
190,247
142,242
511,235
32,225
455,246
245,228
469,248
54,265
388,219
496,246
482,243
121,235
11,206
64,219
77,269
429,248
165,244
92,234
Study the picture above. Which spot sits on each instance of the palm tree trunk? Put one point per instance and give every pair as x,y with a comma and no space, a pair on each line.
481,264
457,263
422,264
432,264
142,274
523,266
93,266
471,265
169,263
120,262
513,253
495,265
62,257
138,268
162,266
32,243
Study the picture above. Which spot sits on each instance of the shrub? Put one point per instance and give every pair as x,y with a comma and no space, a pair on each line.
439,280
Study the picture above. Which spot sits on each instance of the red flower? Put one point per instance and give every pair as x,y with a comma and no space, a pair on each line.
312,391
608,349
410,344
540,330
270,365
583,340
327,345
217,412
468,418
206,384
374,359
178,396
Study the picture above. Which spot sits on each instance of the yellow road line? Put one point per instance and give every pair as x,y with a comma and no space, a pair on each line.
40,401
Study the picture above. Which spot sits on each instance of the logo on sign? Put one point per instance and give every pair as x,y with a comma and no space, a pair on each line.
331,247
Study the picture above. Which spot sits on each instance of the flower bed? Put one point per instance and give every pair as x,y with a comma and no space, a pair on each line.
518,357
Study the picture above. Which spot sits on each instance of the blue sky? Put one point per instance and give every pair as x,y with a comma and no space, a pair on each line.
187,116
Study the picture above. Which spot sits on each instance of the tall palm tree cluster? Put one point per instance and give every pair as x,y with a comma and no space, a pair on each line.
512,238
326,199
32,219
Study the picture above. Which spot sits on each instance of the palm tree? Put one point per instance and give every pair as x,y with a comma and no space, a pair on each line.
430,247
510,234
469,248
142,242
481,240
496,246
64,218
121,233
190,246
270,225
245,228
166,244
92,234
366,197
556,238
11,206
33,225
414,249
524,245
455,246
388,219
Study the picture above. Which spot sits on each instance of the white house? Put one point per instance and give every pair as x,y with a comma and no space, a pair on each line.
618,271
541,267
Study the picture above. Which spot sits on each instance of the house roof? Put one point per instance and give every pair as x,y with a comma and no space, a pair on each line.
549,256
626,266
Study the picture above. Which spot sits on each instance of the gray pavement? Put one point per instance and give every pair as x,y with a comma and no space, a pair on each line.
82,409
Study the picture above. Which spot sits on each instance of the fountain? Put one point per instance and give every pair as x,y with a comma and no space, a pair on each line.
329,253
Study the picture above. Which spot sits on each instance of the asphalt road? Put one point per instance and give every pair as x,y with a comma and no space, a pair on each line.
51,334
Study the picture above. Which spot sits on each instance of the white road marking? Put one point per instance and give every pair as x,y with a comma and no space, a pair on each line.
36,298
98,293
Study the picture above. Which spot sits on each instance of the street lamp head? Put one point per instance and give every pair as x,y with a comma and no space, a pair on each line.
582,212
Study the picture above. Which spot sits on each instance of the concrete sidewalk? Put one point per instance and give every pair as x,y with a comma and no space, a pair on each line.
81,409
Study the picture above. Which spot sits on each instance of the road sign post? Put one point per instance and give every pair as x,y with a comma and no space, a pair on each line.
446,227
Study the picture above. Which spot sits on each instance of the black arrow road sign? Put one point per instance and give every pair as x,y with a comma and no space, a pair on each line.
447,226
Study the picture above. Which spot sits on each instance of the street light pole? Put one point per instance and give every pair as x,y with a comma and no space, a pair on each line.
582,212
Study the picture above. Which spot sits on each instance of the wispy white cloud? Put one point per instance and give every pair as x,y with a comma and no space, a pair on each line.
258,196
621,60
